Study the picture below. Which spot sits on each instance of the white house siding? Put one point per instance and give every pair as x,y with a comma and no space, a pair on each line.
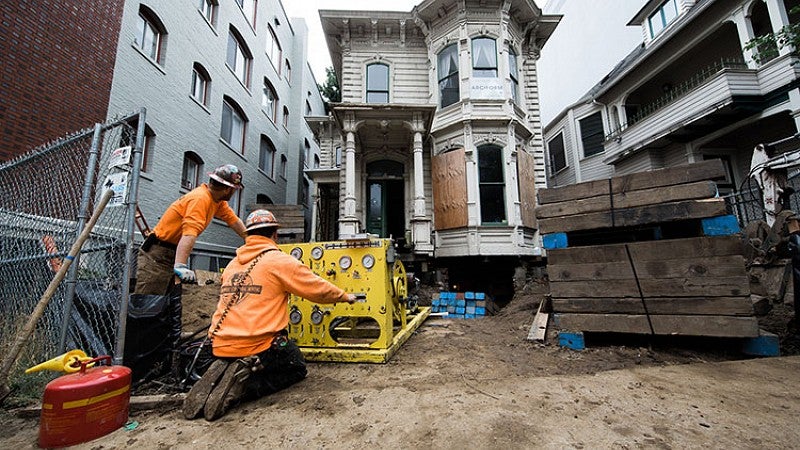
408,72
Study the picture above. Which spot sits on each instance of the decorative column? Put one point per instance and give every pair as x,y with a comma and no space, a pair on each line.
745,31
778,18
420,222
348,223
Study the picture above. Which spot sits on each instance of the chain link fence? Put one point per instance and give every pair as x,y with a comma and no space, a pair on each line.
748,204
46,198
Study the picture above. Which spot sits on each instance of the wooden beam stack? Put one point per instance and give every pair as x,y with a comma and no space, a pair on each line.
643,254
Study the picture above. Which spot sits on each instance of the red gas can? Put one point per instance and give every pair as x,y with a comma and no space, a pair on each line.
85,405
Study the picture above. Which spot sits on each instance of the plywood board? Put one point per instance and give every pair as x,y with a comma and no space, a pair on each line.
527,189
717,326
449,182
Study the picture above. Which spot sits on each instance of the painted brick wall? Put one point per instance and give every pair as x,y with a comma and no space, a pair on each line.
56,65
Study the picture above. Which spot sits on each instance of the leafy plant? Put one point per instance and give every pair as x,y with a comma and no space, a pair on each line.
330,88
766,47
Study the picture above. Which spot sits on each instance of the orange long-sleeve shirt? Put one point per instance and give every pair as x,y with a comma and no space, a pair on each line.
253,321
191,214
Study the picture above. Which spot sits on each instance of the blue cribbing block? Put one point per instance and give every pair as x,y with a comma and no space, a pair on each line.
469,316
480,296
460,310
471,303
435,302
451,295
554,240
766,344
451,309
469,295
470,310
720,226
571,340
461,303
480,311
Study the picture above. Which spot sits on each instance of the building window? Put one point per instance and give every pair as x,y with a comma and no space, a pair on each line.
273,49
448,76
236,200
338,157
150,34
263,199
558,159
239,58
305,193
269,101
484,58
377,83
306,152
266,157
249,8
284,163
662,17
286,117
308,108
491,184
513,72
288,71
190,175
128,139
592,134
200,83
209,10
233,125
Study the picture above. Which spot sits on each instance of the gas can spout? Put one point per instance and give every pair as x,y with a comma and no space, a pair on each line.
69,362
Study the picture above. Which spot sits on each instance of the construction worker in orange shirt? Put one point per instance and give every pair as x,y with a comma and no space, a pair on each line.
154,312
253,355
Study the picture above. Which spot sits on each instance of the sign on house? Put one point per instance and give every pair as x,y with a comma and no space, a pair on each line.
486,89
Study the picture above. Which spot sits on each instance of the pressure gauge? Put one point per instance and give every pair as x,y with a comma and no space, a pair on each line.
295,316
297,252
345,262
368,261
316,252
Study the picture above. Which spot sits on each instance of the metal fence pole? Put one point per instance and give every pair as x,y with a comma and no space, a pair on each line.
83,215
132,200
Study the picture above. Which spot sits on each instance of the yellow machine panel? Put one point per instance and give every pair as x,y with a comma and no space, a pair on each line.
371,329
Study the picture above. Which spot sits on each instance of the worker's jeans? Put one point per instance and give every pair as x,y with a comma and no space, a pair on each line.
154,272
284,366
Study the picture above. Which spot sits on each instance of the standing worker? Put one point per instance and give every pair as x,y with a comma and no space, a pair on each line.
154,330
253,355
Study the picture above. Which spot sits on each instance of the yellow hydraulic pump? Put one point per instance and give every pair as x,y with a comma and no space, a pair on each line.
370,330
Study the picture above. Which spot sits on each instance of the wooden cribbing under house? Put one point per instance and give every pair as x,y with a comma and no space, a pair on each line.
647,253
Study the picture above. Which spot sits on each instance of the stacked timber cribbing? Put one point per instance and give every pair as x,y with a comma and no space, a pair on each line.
462,305
647,253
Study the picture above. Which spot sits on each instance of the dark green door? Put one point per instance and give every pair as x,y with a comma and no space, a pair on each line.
385,199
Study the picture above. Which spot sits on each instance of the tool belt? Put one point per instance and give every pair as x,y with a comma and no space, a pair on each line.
152,240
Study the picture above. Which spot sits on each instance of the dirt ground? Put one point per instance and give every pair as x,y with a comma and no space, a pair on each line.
480,384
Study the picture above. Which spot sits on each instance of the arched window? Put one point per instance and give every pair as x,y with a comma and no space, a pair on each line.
201,81
192,167
316,161
266,157
273,49
484,58
288,71
269,101
263,199
306,152
448,76
377,83
286,117
234,123
239,57
209,10
284,163
491,184
151,35
249,8
128,138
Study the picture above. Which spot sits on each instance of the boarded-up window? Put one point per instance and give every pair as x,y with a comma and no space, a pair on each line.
558,159
449,179
527,189
592,134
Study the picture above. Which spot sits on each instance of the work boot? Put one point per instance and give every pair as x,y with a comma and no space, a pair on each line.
196,398
231,386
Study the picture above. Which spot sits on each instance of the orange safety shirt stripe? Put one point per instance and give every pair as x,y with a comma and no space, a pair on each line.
191,214
262,311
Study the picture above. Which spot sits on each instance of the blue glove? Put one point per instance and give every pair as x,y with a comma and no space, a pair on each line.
184,273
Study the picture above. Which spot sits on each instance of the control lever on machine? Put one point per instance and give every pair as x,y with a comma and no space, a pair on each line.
361,297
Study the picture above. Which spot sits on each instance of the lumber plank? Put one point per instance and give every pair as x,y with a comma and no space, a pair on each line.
690,191
717,326
538,329
668,267
688,173
653,287
665,212
727,306
648,250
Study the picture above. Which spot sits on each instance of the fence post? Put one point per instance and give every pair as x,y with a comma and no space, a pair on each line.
72,276
132,200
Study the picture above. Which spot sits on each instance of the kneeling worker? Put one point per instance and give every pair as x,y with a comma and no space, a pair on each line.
254,356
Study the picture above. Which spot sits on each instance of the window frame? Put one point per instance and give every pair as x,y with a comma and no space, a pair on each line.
200,73
252,7
487,187
513,73
592,142
285,117
240,51
233,110
482,71
208,8
271,45
284,165
270,111
664,22
554,166
381,92
266,164
190,181
149,21
451,77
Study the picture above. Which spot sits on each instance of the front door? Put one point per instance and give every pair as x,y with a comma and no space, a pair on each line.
385,199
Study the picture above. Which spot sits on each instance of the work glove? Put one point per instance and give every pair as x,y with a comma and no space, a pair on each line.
184,273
